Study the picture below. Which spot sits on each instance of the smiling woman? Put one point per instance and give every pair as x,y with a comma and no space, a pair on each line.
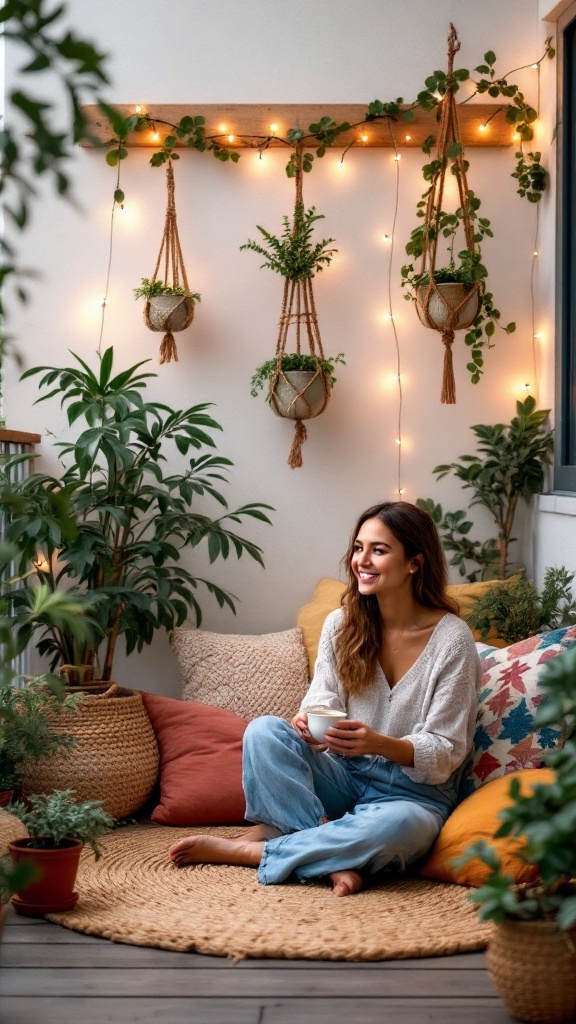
402,666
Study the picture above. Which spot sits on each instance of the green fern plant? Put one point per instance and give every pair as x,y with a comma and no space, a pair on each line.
52,817
516,610
293,254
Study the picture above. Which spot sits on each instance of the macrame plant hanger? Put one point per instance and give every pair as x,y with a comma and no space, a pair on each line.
451,317
160,314
299,310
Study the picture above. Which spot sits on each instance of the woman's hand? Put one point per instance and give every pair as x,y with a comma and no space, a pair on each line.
300,723
352,738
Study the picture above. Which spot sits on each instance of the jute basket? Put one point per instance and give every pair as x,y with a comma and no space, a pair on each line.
116,757
534,969
169,312
448,307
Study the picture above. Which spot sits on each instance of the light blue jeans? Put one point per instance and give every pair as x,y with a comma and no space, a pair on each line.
379,818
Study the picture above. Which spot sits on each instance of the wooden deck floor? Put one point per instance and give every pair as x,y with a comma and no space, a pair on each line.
50,975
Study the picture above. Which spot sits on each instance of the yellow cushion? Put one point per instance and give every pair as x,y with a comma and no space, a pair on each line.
477,818
310,617
328,592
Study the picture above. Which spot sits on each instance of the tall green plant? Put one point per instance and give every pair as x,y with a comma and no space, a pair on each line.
509,466
131,519
293,254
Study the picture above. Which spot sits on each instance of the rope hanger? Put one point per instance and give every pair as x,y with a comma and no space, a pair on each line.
299,310
456,316
174,276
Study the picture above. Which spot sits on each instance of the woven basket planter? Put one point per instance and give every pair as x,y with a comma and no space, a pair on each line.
169,312
116,757
534,970
300,394
438,310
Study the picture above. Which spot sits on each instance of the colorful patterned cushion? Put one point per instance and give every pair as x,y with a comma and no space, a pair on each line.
505,739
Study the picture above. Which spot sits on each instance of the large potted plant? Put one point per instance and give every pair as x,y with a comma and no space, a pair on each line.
58,827
532,954
117,556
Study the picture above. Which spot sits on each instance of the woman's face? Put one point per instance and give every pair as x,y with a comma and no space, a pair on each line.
379,561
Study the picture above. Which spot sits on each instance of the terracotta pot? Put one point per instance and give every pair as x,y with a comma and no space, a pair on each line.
54,889
115,758
169,312
438,310
314,388
534,969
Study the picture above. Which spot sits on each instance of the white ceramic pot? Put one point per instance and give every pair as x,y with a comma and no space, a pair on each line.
300,394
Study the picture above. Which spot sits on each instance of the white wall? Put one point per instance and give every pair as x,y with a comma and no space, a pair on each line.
333,51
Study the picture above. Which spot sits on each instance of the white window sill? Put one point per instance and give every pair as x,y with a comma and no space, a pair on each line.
559,504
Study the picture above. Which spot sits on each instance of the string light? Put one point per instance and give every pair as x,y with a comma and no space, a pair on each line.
397,157
535,66
398,440
401,490
538,336
482,127
155,136
231,138
222,128
407,138
386,238
364,138
535,253
273,128
138,109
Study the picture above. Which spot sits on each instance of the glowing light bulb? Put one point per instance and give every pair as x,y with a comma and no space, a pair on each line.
396,376
527,387
534,65
407,137
138,109
482,127
401,490
398,440
231,138
387,238
535,253
397,157
221,127
538,336
388,316
364,138
273,128
155,136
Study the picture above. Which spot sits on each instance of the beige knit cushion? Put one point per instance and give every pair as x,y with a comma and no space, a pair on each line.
250,675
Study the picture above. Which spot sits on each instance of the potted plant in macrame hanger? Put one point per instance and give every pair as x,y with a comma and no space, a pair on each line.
298,383
169,301
454,297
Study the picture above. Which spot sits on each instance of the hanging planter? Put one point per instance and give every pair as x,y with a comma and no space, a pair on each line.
169,302
453,297
299,383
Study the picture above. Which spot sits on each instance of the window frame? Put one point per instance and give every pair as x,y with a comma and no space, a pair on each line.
565,396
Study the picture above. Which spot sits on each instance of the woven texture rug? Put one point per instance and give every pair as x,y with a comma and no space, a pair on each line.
134,894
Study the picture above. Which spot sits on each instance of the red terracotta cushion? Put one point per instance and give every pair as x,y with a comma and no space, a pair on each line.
200,762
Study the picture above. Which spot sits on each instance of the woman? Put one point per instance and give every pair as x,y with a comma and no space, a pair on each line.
398,659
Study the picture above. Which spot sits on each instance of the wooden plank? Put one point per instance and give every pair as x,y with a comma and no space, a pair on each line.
171,1010
311,983
19,437
33,950
249,124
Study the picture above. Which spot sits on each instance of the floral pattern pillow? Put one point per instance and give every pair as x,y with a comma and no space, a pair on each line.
505,739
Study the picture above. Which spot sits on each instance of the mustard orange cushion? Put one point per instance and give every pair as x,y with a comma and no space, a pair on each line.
200,762
477,818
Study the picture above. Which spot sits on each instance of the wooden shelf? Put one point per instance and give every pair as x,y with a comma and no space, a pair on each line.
250,124
19,437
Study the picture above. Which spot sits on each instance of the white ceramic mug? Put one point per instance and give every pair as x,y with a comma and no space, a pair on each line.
320,719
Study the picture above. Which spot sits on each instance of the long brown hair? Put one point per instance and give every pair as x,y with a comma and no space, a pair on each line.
359,638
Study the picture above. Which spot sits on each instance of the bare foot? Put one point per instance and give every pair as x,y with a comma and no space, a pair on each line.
346,883
216,850
258,833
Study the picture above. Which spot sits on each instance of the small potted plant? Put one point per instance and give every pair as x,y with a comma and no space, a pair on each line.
167,307
299,390
58,827
532,953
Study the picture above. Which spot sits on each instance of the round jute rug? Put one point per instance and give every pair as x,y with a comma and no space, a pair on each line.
134,894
